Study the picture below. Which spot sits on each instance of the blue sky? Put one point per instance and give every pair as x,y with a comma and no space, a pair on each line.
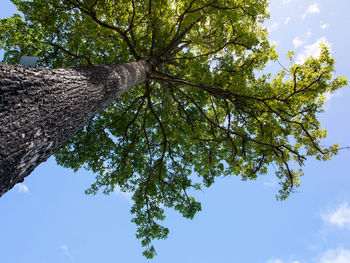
48,218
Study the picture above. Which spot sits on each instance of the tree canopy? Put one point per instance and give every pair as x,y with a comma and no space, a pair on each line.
206,110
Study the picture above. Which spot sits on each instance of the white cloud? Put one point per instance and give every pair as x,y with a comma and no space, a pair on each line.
335,256
272,183
22,188
274,42
328,95
308,34
66,251
297,42
287,20
313,50
324,26
125,195
286,1
274,26
312,9
339,217
277,260
339,255
331,95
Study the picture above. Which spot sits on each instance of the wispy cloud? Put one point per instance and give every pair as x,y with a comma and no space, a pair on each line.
298,41
66,251
272,183
339,255
287,20
328,96
277,260
274,26
22,188
125,195
312,9
286,1
313,50
339,217
324,26
274,42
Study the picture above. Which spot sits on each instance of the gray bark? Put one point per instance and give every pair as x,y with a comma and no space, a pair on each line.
41,108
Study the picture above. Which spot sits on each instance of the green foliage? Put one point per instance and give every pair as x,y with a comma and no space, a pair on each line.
202,112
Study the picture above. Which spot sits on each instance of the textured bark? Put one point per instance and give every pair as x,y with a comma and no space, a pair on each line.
41,108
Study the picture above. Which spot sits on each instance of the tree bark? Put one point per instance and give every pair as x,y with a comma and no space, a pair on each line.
41,108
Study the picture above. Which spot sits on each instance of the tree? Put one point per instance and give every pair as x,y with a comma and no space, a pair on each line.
201,110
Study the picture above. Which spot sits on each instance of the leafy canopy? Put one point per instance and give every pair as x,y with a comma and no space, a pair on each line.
202,113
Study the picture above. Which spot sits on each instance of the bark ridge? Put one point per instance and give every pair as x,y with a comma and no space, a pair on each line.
41,108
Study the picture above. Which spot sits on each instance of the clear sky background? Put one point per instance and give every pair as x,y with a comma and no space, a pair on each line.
48,218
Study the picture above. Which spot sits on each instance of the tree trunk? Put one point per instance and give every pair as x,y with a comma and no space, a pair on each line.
41,108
